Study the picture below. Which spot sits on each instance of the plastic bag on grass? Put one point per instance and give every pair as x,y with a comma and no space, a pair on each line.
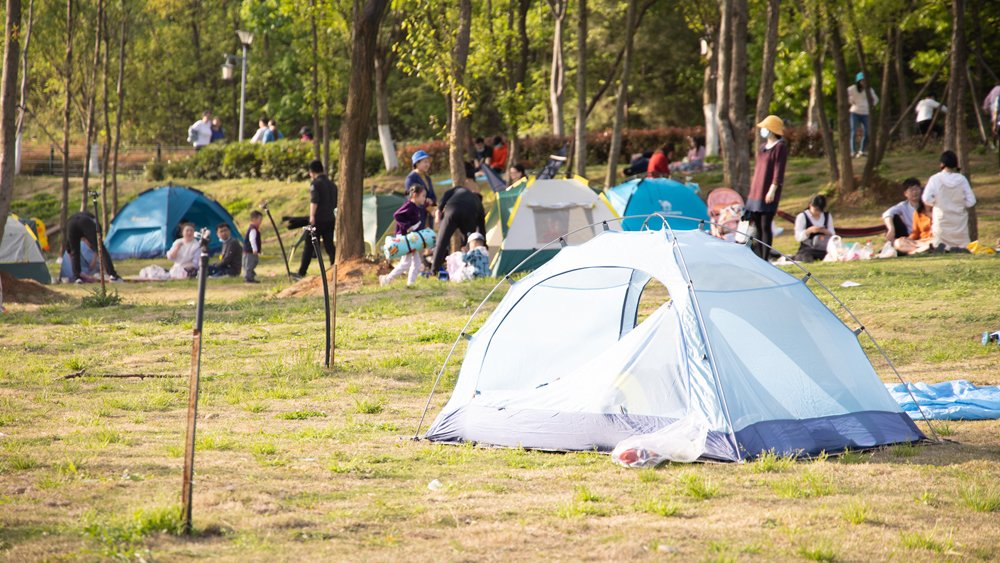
682,441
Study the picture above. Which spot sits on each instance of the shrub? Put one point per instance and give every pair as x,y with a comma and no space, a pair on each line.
207,162
285,160
241,160
153,171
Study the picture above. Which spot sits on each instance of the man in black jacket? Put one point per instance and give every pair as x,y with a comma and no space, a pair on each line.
322,204
82,226
459,209
232,254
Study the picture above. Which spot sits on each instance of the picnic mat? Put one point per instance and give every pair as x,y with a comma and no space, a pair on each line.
949,400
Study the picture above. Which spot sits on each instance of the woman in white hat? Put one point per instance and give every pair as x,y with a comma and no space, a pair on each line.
768,178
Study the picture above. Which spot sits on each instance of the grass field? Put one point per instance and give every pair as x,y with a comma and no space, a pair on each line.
298,462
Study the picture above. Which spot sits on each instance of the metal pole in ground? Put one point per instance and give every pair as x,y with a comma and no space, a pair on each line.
280,243
192,413
100,240
333,330
326,288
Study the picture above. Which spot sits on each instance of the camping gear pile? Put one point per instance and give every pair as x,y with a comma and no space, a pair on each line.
564,363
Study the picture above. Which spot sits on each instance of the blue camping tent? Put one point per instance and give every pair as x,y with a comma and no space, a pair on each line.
643,196
148,225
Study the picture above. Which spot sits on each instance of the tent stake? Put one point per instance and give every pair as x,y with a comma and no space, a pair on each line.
326,288
280,243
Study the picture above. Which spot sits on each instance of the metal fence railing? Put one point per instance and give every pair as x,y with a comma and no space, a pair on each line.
47,159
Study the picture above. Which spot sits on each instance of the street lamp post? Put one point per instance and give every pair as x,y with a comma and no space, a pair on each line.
246,38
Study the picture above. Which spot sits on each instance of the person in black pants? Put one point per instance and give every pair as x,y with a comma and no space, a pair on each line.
81,226
322,203
460,209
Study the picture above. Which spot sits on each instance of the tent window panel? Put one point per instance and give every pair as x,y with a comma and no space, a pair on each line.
654,295
558,325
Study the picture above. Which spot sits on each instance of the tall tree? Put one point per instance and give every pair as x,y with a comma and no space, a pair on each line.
954,125
120,105
384,61
843,107
738,96
723,76
367,16
314,75
67,107
458,138
815,45
580,133
557,74
106,145
872,130
766,91
91,103
22,106
8,108
614,151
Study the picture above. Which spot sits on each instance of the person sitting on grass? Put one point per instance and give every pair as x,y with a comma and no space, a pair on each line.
478,256
920,237
232,253
813,229
898,219
410,217
185,252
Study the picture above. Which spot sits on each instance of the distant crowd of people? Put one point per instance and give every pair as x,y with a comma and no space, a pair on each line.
208,130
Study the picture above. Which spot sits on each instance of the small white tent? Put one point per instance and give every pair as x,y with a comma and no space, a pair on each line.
544,211
20,255
562,364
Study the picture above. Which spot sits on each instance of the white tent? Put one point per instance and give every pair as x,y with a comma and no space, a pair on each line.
20,255
562,364
544,211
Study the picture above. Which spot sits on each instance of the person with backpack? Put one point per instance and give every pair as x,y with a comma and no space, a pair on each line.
813,229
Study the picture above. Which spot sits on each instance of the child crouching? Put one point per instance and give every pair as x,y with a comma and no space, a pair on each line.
410,217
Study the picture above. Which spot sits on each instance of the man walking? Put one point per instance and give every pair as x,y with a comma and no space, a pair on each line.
322,204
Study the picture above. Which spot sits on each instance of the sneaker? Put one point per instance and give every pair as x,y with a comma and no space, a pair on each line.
296,277
116,279
79,281
251,281
383,279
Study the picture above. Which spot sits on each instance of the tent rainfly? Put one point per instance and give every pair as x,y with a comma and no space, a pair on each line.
661,196
148,225
543,211
563,364
20,255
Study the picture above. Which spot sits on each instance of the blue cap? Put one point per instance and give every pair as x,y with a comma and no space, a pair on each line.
859,77
418,156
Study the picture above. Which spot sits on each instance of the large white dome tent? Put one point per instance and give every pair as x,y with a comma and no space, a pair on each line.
562,364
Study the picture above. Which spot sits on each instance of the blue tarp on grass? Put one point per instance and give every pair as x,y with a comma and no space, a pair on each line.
949,400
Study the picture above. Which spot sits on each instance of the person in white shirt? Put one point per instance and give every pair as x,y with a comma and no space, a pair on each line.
262,129
200,132
857,95
925,114
898,219
813,229
951,195
185,252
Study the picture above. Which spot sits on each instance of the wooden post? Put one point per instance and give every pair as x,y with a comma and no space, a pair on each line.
192,414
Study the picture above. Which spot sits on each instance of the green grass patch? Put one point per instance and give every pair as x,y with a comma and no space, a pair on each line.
904,450
368,406
856,512
930,541
770,462
696,486
301,415
122,538
822,551
808,484
981,498
658,507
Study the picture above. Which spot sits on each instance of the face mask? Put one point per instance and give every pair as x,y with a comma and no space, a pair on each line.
764,133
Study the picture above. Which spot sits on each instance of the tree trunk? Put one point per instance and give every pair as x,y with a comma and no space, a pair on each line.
8,109
580,134
954,125
738,98
22,109
766,91
91,103
458,137
708,93
843,107
903,100
610,177
315,79
383,68
815,45
120,107
882,129
725,48
557,77
354,129
67,106
106,145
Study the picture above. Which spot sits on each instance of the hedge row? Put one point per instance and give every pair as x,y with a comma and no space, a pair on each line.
534,151
282,160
